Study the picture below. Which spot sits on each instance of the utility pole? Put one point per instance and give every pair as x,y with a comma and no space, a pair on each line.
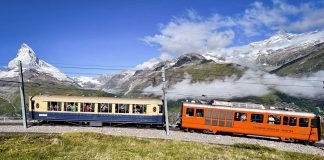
22,95
166,117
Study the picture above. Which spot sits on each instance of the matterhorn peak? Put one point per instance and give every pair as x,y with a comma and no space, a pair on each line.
30,61
27,57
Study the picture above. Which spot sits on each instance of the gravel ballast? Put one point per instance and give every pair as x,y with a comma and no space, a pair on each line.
174,135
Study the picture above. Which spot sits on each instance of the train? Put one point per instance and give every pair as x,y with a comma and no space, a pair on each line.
215,117
96,110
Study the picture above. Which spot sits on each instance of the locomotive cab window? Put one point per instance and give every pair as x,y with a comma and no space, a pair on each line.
303,122
54,106
238,116
190,112
199,113
139,108
105,107
87,107
122,108
291,121
258,118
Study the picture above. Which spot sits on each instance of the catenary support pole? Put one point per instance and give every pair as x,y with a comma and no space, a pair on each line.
22,95
165,103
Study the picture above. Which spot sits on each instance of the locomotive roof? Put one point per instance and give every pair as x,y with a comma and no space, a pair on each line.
96,99
250,110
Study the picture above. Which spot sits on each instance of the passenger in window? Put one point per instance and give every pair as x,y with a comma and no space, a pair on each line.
74,108
105,108
237,116
122,109
243,117
88,108
68,108
137,109
292,121
271,119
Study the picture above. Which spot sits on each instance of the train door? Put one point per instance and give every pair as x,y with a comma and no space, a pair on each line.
32,108
315,133
188,117
215,117
226,119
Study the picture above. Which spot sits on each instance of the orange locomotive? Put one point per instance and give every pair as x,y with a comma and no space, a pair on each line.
273,123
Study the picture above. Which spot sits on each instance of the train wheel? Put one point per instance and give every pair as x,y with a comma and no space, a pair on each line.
191,130
282,139
186,129
308,143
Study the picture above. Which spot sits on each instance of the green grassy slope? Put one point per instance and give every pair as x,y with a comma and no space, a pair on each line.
6,108
206,72
99,146
312,63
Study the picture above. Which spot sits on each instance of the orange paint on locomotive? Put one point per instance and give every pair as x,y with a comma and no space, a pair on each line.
281,124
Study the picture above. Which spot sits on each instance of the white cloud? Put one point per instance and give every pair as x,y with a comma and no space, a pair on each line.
252,83
311,18
192,34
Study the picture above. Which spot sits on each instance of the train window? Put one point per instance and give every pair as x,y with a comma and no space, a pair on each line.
139,108
105,107
291,121
71,106
160,109
222,115
122,108
190,112
303,122
272,119
215,114
215,118
239,116
54,106
314,123
87,107
199,112
258,118
208,113
229,116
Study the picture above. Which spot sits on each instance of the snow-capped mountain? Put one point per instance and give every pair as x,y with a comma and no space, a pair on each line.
30,62
271,53
91,82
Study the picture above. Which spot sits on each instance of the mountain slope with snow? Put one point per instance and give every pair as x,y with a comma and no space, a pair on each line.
30,62
272,53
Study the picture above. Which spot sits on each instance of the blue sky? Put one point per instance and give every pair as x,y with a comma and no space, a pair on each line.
128,33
